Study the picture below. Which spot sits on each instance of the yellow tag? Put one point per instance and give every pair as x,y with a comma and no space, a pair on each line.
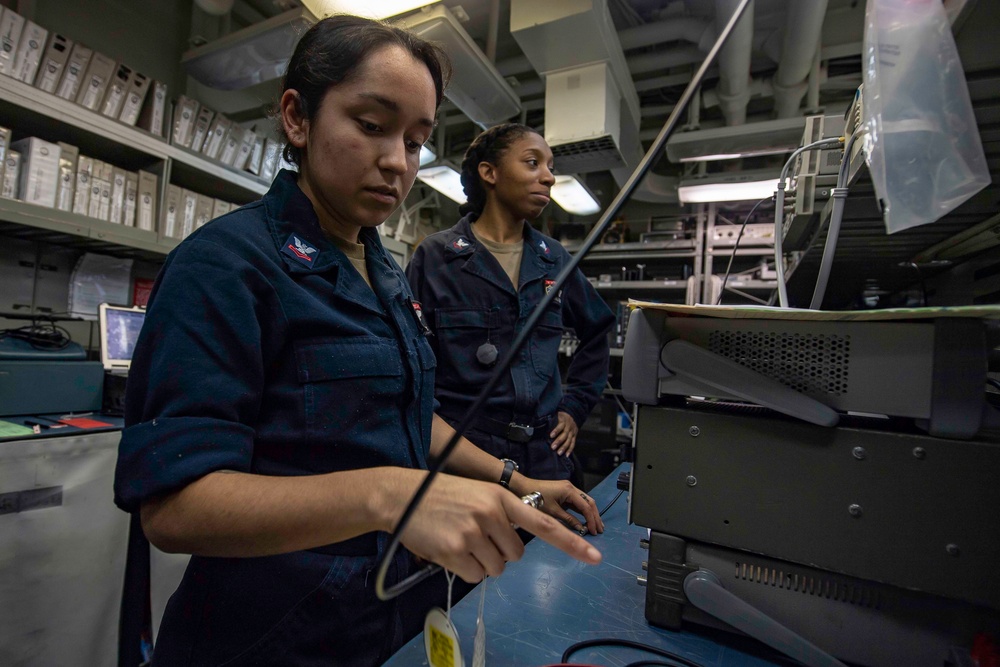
441,640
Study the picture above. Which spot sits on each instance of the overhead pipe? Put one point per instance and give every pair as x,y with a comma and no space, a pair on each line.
803,31
734,64
681,29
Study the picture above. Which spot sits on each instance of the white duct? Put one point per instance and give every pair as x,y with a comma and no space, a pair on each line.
734,62
803,31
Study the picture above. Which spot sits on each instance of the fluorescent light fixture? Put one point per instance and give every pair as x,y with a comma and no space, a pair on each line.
476,86
768,137
378,9
745,186
573,196
445,180
427,155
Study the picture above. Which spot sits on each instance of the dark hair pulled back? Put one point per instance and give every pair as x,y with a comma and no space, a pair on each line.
487,147
332,50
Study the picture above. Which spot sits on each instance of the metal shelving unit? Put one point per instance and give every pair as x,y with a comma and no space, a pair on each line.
749,290
28,111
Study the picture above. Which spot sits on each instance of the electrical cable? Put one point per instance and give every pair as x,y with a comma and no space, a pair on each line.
779,211
612,503
836,216
654,153
736,247
627,643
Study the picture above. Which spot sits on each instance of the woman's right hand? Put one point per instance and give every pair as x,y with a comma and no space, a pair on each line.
466,526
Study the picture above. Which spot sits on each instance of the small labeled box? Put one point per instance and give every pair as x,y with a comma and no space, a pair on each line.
29,52
269,163
39,171
76,67
11,175
131,198
172,216
185,113
256,155
203,211
107,174
145,216
189,210
53,63
219,208
117,196
68,157
96,182
11,26
117,88
4,146
245,149
201,125
231,147
81,194
95,81
154,109
138,87
218,132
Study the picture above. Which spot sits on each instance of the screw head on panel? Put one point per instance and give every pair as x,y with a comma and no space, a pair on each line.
855,510
691,480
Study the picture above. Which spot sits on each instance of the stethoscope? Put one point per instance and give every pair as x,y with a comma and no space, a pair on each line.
488,349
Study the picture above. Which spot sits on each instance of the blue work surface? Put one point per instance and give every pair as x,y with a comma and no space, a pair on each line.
546,602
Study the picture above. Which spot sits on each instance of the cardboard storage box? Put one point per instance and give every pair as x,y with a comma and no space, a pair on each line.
138,87
11,25
172,216
146,210
94,84
68,157
39,171
11,175
76,67
29,52
117,88
53,63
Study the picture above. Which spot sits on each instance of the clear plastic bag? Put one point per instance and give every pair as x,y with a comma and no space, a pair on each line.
923,146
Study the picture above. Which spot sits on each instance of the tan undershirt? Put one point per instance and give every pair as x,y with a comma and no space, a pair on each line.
355,253
508,254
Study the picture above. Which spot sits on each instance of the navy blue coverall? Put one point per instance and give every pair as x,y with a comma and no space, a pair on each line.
468,300
264,351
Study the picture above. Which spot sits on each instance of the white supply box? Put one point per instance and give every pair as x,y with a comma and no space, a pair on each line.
11,25
69,155
154,110
203,212
39,171
217,136
11,174
4,146
134,97
117,88
29,52
53,63
146,212
131,197
81,194
189,209
76,67
117,195
174,200
185,113
94,84
201,125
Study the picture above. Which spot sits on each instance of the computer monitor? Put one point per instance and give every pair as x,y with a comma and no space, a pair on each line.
120,328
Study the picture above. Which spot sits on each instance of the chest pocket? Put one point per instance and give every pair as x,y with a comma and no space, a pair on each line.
350,384
544,342
459,333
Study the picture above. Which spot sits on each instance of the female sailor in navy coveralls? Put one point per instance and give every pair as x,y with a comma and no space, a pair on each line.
280,408
479,281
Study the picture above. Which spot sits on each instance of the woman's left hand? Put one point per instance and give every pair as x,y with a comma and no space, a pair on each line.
564,434
560,495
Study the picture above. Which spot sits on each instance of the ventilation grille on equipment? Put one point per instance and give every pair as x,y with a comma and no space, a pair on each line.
808,363
580,157
837,591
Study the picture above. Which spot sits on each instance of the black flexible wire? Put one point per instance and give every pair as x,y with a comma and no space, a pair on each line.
736,246
993,383
627,643
650,663
654,153
613,501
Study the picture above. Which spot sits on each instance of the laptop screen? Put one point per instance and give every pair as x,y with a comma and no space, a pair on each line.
119,332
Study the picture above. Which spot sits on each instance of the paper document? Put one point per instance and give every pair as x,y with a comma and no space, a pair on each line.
98,279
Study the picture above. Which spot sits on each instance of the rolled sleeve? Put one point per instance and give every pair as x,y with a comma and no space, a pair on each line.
166,454
194,389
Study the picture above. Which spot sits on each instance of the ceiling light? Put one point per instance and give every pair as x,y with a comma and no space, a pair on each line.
373,10
427,155
745,186
445,180
476,86
573,196
725,143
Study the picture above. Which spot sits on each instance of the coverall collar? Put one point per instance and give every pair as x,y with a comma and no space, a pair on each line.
305,248
460,243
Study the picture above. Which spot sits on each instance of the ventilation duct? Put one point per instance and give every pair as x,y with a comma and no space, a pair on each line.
590,101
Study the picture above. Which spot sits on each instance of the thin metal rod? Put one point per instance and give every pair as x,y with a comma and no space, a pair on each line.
595,234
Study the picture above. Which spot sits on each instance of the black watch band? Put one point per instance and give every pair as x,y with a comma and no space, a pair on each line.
508,471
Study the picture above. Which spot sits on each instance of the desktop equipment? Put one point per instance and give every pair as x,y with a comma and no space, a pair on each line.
119,330
777,511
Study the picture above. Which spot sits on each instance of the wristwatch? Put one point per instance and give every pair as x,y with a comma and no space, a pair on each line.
508,470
